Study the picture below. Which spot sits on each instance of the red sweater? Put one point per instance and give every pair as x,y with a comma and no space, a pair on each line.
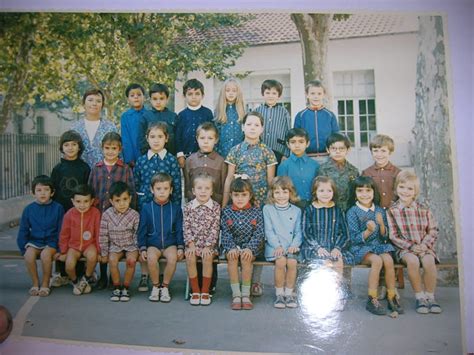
79,230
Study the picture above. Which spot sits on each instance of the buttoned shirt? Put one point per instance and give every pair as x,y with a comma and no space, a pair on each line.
302,170
118,231
384,178
277,123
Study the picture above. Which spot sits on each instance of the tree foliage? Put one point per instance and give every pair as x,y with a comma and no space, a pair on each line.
53,56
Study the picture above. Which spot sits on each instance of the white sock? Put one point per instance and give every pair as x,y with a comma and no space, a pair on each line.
288,291
420,295
279,291
429,295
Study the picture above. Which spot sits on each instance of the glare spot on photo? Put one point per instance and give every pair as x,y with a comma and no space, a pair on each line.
321,299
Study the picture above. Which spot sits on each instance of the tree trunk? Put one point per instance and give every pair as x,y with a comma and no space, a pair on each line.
19,77
433,156
314,38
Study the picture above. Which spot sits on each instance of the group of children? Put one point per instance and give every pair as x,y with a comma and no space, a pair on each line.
317,209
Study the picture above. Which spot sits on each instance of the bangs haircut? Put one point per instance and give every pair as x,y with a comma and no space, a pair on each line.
203,176
207,126
44,180
314,84
161,177
71,136
118,188
323,180
407,176
159,88
93,91
83,190
297,132
363,181
111,137
272,84
163,126
133,87
242,185
284,183
381,140
338,137
193,84
253,113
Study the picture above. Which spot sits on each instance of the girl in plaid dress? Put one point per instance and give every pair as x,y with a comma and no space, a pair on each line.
369,236
414,231
242,240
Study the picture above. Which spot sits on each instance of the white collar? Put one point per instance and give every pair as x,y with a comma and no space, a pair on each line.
161,154
194,108
195,203
365,209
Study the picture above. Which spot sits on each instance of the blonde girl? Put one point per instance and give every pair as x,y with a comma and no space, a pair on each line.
369,236
228,116
282,221
242,240
414,232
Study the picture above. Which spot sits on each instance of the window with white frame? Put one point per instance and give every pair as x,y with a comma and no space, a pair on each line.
355,95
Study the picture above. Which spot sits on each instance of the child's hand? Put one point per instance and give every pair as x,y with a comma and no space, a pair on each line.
423,247
233,254
279,252
371,226
206,252
190,251
246,254
293,250
323,252
143,255
182,162
336,253
180,254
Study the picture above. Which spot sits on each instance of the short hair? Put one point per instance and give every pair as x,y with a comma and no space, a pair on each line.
71,136
363,181
297,132
193,84
314,84
318,180
158,125
161,177
381,140
83,190
242,185
110,137
207,126
253,113
44,180
118,188
132,87
93,91
160,88
204,176
338,137
407,176
284,183
272,84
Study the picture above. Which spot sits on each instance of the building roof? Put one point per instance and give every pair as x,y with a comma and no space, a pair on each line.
274,28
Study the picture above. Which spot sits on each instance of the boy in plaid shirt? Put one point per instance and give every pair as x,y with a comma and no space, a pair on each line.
103,174
118,238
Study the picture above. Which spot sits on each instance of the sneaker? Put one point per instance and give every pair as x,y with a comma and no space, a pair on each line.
84,285
76,290
195,299
155,294
57,280
422,306
205,299
291,301
256,289
279,302
394,305
165,295
143,285
434,306
115,295
125,295
373,306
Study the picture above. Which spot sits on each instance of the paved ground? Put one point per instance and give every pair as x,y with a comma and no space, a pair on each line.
313,328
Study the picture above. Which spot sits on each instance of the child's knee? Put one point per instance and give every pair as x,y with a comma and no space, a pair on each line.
291,263
376,262
131,262
281,262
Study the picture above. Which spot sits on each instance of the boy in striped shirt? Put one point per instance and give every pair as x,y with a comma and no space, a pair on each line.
276,117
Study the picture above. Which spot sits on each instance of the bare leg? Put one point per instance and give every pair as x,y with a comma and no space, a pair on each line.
233,269
30,262
389,270
430,273
131,257
91,259
291,273
114,259
72,257
191,266
47,256
207,265
375,262
280,272
171,255
153,255
413,267
247,268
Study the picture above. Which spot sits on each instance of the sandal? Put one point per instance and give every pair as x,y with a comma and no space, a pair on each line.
205,299
44,291
247,303
236,303
34,291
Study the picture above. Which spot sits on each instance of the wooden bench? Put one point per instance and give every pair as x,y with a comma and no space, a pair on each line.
445,264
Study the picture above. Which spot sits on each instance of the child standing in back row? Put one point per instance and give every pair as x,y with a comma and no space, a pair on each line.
317,120
228,116
277,118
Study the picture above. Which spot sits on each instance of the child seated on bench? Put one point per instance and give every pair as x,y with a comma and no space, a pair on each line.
38,234
414,231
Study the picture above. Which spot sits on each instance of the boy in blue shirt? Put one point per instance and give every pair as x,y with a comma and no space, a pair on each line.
317,120
189,119
299,167
277,118
159,96
39,233
130,123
